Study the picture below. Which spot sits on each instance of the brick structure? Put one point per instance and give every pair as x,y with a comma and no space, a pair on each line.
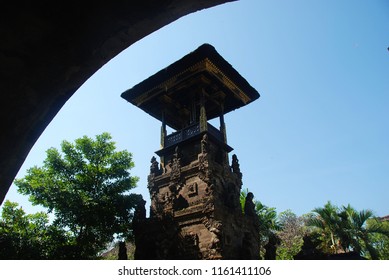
195,211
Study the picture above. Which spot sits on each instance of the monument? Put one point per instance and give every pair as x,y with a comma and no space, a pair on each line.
195,210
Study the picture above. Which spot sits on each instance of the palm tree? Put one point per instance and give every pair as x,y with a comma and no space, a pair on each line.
327,221
361,232
346,232
345,229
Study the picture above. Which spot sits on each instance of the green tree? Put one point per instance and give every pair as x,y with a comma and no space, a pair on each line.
29,236
346,229
291,233
86,186
379,240
327,221
357,233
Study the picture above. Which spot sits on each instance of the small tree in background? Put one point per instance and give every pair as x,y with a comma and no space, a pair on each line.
29,236
326,230
378,240
86,187
291,233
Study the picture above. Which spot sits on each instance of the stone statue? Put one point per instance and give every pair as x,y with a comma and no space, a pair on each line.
140,210
235,166
249,206
154,166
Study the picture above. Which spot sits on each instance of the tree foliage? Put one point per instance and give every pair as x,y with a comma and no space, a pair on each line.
30,236
327,222
291,233
346,229
379,240
86,186
330,230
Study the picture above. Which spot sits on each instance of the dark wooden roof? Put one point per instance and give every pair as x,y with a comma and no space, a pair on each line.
174,88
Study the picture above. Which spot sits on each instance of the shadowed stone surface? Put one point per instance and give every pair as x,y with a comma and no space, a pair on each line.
49,49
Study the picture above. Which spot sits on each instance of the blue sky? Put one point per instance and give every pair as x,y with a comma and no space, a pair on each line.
318,132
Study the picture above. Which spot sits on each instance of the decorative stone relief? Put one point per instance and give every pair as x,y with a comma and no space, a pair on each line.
235,166
216,230
175,175
231,196
209,206
192,190
151,183
140,210
204,171
154,168
249,206
204,144
191,239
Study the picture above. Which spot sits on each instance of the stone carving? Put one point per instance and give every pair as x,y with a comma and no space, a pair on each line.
249,206
154,168
154,171
192,190
175,175
204,172
209,206
204,144
151,183
235,166
215,229
140,210
191,239
231,196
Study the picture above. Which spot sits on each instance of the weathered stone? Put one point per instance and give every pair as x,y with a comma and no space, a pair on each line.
195,208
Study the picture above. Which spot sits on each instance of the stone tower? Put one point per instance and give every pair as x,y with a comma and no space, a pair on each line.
195,211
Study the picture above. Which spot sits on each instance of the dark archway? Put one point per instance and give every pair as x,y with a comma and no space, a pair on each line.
49,49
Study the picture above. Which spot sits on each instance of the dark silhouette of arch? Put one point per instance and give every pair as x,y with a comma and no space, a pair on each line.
48,50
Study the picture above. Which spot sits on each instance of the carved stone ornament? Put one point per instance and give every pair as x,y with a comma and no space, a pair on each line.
209,206
204,172
204,144
140,210
216,230
151,182
191,239
249,206
231,196
235,166
175,174
192,190
154,167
